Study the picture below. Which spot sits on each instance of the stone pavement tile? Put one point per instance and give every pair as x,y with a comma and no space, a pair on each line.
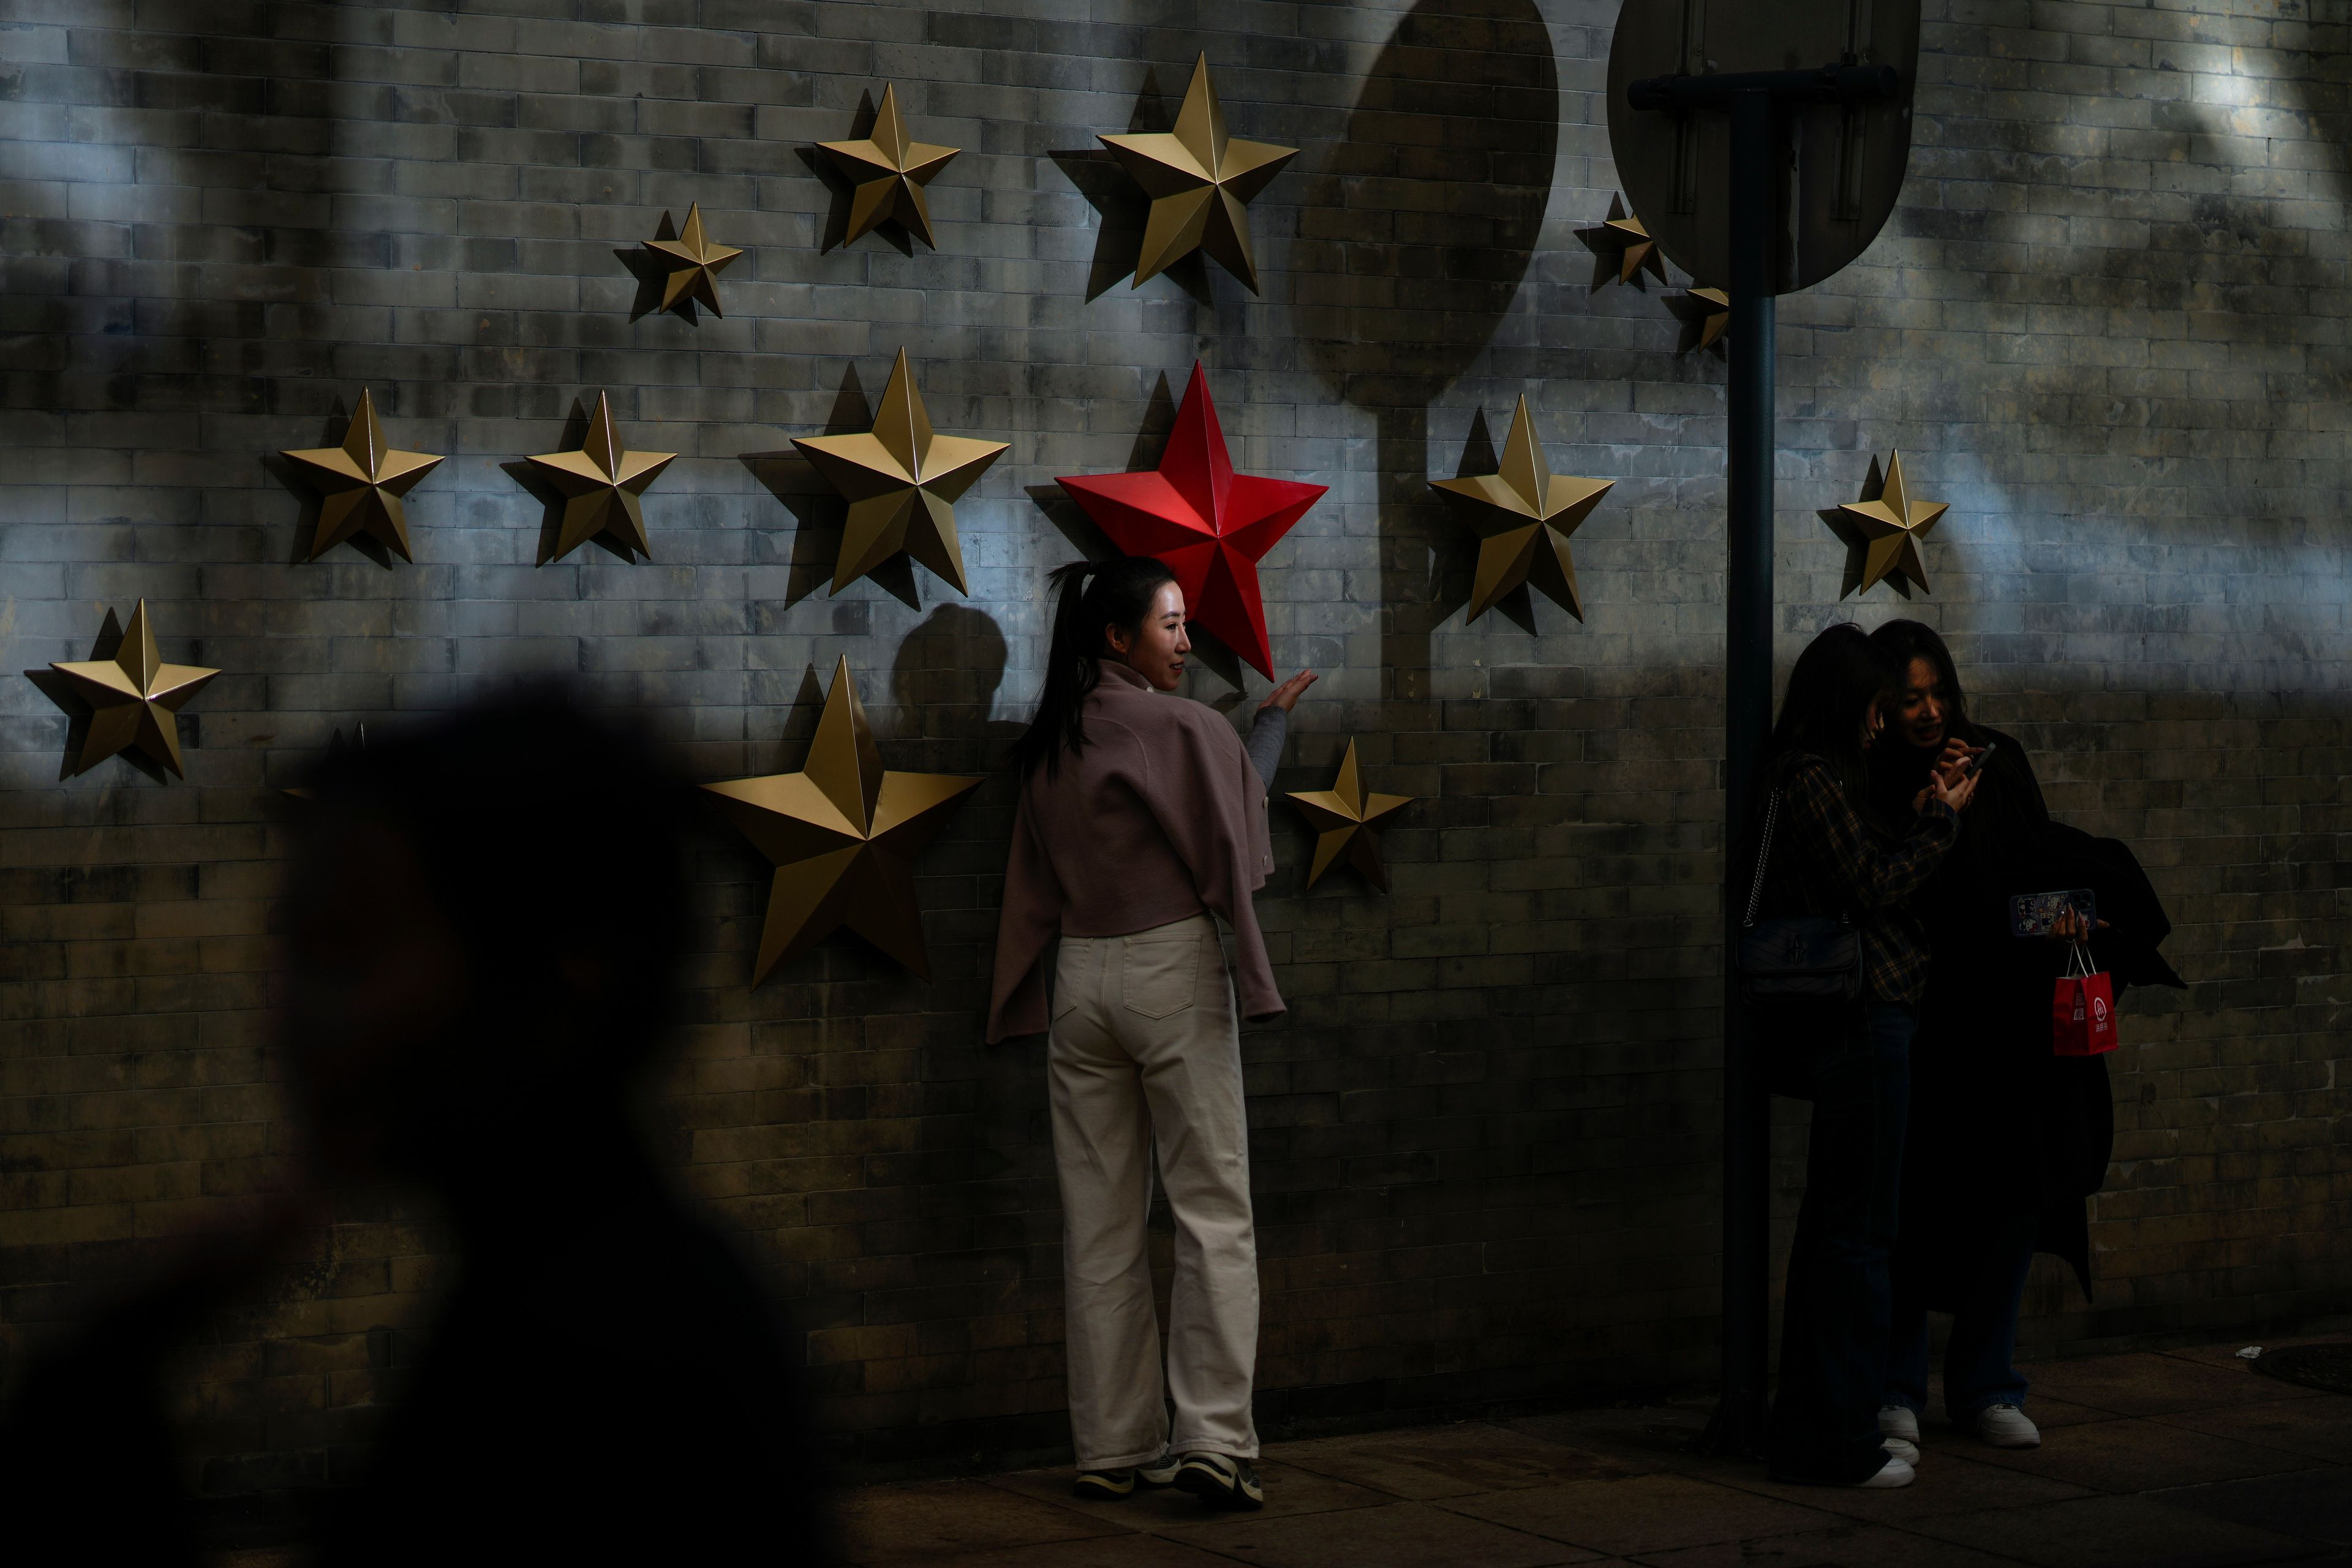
1649,1437
2316,1504
2225,1354
2148,1383
1647,1513
2046,1413
2141,1456
1101,1551
1847,1546
1288,1491
1947,1484
1426,1462
1402,1535
913,1521
2114,1532
2317,1428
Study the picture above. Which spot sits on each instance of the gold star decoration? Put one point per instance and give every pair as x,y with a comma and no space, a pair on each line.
134,698
842,835
1343,817
601,481
361,482
901,481
1524,516
1201,182
1706,314
691,265
1622,249
887,172
1883,530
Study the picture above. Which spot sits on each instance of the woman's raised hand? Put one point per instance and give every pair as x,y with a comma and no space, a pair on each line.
1955,795
1287,694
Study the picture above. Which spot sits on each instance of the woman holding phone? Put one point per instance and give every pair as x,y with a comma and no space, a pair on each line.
2007,1138
1828,855
1142,817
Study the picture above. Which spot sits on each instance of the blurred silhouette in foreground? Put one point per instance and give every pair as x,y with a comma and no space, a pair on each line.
485,922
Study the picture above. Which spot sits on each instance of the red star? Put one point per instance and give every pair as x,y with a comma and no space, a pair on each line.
1210,524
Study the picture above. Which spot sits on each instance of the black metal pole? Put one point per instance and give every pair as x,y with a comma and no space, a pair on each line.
1756,221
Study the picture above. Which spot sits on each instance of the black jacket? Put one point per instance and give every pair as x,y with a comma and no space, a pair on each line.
2000,1124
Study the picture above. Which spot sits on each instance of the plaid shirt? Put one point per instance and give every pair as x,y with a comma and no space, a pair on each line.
1827,860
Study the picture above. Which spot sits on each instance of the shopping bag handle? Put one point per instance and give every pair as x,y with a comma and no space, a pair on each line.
2078,963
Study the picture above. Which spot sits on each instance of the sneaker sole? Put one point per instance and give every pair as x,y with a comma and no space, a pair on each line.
1211,1489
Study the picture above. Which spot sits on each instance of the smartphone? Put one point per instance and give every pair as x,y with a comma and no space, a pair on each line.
2033,914
1977,761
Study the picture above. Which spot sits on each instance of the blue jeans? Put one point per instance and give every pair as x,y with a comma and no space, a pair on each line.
1856,1061
1979,1368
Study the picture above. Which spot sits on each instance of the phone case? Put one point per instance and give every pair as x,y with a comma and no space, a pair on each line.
2033,914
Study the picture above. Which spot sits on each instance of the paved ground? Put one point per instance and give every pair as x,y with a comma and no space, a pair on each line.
2159,1460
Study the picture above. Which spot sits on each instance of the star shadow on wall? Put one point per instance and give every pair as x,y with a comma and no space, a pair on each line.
820,513
1122,209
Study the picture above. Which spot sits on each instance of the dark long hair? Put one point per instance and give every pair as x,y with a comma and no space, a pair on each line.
1093,595
1840,673
1903,641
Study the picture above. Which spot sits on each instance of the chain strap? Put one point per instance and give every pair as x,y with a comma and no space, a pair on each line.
1763,858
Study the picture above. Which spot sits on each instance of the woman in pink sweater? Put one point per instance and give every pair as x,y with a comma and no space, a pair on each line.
1142,817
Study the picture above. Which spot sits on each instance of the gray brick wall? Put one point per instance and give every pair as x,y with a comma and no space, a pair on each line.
2107,323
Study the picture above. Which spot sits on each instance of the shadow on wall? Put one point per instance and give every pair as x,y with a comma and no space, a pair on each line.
1414,233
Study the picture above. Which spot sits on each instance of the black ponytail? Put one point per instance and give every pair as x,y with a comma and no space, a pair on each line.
1092,595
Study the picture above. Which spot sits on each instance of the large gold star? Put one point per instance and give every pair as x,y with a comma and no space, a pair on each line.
842,835
135,700
1343,817
889,170
1883,530
1524,516
601,481
363,481
1200,181
692,264
1622,248
901,483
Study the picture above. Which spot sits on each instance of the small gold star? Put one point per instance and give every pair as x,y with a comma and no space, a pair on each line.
1524,516
693,265
1343,817
842,835
1622,248
363,481
1883,530
1200,181
889,170
135,698
601,480
901,483
1705,314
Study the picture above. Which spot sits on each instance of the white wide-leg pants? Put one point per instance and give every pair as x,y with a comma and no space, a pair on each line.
1144,1049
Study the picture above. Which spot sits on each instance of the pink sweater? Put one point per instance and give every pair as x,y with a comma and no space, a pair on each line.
1157,817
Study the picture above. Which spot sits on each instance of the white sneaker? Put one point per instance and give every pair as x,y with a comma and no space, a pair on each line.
2005,1427
1907,1452
1899,1421
1894,1473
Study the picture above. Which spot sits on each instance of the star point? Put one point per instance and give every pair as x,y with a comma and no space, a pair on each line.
1622,249
1524,514
691,265
902,481
1343,817
842,835
134,699
1881,532
1706,316
601,482
888,171
1211,525
1201,182
361,484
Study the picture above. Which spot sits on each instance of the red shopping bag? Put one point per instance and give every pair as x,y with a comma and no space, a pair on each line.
2082,1009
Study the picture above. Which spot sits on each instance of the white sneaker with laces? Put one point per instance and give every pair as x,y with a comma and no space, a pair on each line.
1899,1421
1907,1452
2005,1427
1894,1473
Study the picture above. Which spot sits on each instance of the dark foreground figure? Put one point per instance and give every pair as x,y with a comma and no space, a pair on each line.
485,919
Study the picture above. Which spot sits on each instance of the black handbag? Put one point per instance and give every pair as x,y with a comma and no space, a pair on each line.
1796,958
